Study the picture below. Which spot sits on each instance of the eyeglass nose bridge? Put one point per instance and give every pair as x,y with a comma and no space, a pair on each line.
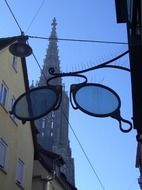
60,75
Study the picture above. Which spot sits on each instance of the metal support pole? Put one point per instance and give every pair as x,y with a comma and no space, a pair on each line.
140,179
136,80
135,49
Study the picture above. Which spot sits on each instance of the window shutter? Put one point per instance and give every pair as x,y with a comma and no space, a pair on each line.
20,172
3,150
3,94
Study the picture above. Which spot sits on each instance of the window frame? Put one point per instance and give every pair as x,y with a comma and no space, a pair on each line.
15,62
43,123
20,173
13,99
3,161
4,93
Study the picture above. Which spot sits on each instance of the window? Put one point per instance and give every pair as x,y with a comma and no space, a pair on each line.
3,154
51,134
42,134
3,94
12,103
52,121
130,9
43,123
15,62
20,172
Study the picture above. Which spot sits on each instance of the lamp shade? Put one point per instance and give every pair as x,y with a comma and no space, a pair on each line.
20,49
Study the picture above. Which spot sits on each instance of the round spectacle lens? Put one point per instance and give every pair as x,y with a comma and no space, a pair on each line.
35,104
96,100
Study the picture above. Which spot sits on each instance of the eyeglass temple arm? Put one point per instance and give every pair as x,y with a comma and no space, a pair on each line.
116,115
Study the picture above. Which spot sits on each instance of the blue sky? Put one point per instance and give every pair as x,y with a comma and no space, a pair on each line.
111,152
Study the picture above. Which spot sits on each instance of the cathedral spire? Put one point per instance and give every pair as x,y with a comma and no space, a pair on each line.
53,32
52,57
53,128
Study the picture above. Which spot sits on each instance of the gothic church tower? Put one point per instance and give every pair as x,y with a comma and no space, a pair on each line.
53,128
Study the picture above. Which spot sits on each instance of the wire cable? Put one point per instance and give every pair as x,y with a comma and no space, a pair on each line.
85,154
36,14
79,40
39,66
14,16
61,39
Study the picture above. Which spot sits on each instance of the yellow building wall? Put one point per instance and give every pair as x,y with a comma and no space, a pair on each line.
15,134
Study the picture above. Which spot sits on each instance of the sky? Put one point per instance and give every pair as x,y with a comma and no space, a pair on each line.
111,152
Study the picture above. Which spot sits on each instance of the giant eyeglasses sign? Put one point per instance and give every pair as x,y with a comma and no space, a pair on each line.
91,98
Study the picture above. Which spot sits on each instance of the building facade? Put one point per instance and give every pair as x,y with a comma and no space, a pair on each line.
16,141
47,174
130,12
53,128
